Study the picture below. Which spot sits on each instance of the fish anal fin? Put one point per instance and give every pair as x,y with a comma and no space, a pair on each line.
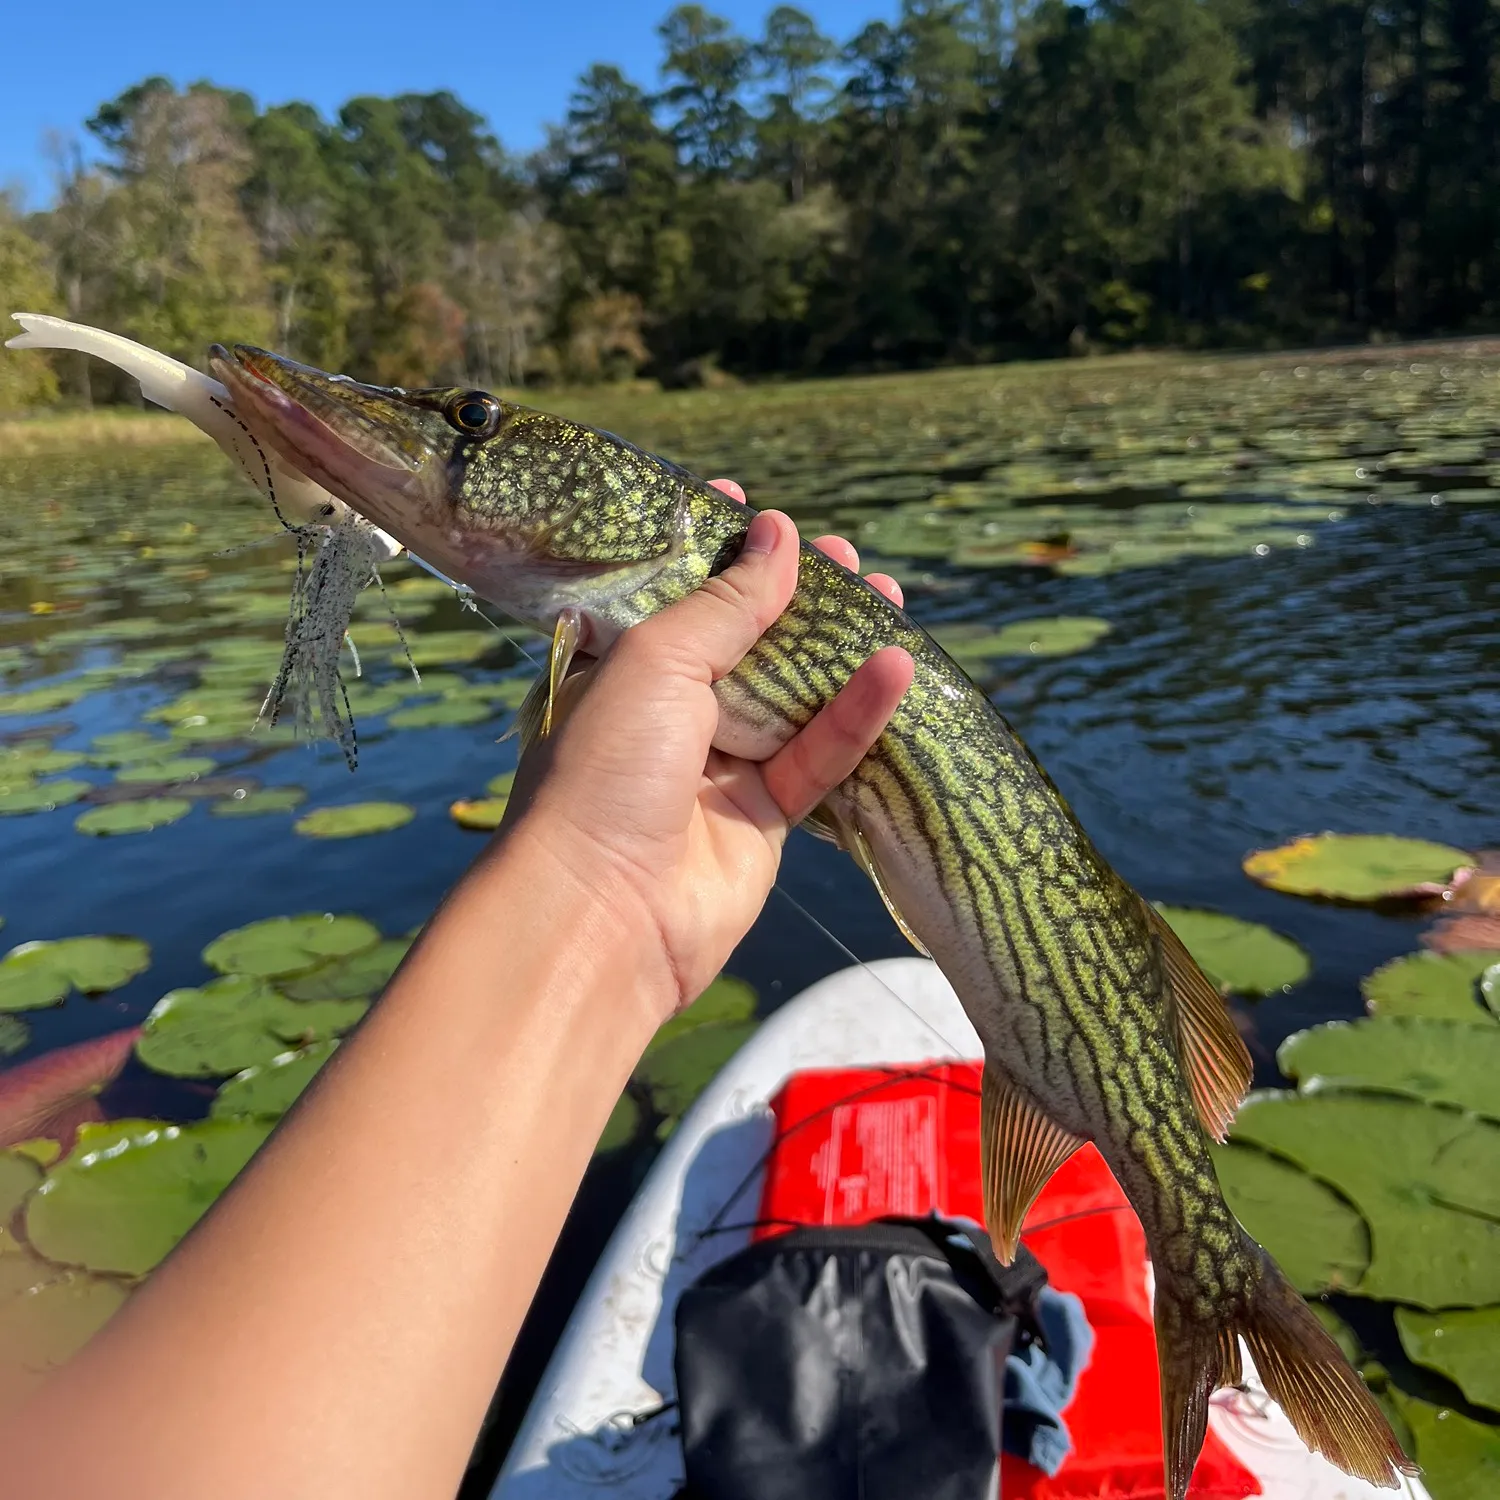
1214,1055
852,836
1019,1149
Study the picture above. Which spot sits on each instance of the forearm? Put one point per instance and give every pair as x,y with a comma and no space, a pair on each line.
336,1324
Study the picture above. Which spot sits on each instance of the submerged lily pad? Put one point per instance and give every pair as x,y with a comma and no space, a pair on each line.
133,817
1319,1239
15,1035
1357,867
46,1321
39,974
41,796
1443,1062
1059,635
678,1070
354,820
267,1090
1462,1344
354,978
131,1189
272,799
231,1024
1243,957
18,1176
1438,986
620,1128
1426,1181
279,946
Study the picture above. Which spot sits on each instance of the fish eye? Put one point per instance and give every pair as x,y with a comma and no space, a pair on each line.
474,414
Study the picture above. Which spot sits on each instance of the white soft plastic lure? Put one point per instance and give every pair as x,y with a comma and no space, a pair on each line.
166,382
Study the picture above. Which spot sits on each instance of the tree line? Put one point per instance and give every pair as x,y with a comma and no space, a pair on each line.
981,179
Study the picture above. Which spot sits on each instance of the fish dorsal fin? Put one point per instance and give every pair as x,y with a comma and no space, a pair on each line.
822,822
1214,1055
1019,1149
533,719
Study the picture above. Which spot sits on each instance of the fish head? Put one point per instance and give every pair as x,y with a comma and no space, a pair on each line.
532,511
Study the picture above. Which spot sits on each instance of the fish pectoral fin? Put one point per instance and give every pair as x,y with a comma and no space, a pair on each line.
1019,1149
1214,1055
533,720
823,823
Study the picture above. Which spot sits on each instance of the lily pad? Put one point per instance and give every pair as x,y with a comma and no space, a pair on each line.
279,946
164,772
1357,867
267,1090
1462,1344
231,1024
434,648
1460,1457
1426,1181
678,1070
272,799
39,974
480,814
18,1176
354,820
1442,1062
46,1322
727,999
502,785
1244,958
131,1189
1319,1239
1058,635
42,796
15,1035
621,1127
444,713
133,817
354,978
38,760
1438,986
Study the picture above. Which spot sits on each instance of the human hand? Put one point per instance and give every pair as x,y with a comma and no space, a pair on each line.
677,842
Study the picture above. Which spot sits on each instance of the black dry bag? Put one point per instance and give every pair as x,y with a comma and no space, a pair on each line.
852,1363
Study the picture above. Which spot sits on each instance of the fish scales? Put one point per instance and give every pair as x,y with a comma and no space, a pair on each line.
1096,1024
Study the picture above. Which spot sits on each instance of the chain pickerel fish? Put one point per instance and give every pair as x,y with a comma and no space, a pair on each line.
1096,1024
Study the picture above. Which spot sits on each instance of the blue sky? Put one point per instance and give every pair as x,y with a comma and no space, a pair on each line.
515,63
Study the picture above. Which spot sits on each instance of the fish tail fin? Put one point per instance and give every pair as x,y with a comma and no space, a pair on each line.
1299,1364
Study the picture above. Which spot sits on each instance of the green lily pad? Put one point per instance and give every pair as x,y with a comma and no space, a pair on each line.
726,1000
267,1090
479,814
47,1321
18,1175
1357,867
1319,1240
354,820
1462,1344
1489,988
444,713
1438,986
179,768
15,1035
130,1190
42,796
44,700
38,760
621,1127
1442,1062
677,1071
354,978
1059,635
1242,957
1460,1457
435,648
279,946
133,817
127,747
502,785
231,1024
40,974
273,799
1426,1181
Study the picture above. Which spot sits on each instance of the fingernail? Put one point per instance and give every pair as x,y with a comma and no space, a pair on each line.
761,537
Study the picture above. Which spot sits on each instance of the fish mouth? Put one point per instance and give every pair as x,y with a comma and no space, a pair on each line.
359,441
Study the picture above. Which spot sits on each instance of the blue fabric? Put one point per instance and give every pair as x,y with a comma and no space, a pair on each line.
1040,1382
